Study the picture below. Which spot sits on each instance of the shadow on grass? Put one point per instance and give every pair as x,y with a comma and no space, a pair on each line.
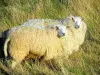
3,69
2,41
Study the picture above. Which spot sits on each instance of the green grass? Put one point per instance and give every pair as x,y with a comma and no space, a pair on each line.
84,62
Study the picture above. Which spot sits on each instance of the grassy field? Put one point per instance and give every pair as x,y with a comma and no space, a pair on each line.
84,62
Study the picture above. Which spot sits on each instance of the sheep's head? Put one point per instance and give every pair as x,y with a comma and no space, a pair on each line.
77,21
62,30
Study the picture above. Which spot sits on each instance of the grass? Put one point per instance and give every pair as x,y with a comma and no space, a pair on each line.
84,62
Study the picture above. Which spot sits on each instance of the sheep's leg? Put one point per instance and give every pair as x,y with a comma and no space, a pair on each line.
18,58
76,48
14,63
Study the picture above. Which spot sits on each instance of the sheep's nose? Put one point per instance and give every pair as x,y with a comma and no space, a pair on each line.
63,34
76,26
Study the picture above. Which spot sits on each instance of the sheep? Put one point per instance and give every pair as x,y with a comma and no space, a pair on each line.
38,42
61,31
77,31
44,43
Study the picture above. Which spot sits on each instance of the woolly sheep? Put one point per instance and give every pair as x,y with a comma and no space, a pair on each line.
61,31
76,33
38,42
75,37
44,42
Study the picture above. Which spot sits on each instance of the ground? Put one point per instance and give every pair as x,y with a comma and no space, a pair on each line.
84,62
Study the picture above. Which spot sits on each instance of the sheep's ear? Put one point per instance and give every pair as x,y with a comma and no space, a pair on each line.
67,27
73,19
57,27
82,19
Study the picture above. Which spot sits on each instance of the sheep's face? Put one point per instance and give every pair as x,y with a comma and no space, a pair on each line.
78,21
62,30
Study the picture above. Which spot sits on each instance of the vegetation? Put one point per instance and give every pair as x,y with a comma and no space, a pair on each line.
84,62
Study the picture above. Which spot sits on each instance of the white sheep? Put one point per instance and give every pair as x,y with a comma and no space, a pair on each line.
44,42
61,31
77,31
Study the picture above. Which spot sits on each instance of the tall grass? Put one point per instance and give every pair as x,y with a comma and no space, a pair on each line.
84,62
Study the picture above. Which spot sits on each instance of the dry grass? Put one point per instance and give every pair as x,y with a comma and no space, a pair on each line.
84,62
